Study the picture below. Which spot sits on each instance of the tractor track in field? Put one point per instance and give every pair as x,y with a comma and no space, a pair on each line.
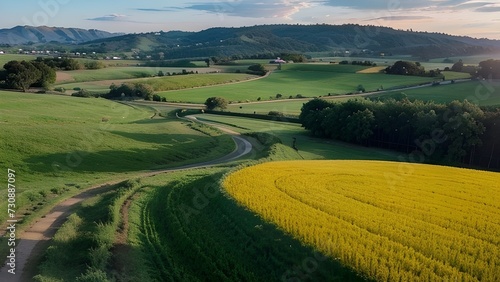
36,238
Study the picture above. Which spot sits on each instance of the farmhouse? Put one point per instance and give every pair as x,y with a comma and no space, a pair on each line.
277,61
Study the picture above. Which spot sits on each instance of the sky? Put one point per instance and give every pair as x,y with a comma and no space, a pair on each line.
478,18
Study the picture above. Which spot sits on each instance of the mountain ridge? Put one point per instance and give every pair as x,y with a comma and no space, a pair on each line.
239,42
21,35
260,39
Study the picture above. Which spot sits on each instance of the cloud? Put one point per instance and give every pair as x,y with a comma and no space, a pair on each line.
427,5
401,18
110,18
155,10
115,18
488,9
253,9
379,4
471,5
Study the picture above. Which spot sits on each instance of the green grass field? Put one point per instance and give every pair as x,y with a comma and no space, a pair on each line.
11,57
309,147
483,93
165,83
450,75
58,143
307,80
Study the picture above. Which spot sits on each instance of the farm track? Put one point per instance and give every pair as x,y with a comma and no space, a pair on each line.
35,239
366,94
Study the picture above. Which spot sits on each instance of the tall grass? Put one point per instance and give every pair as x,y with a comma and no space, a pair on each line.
83,244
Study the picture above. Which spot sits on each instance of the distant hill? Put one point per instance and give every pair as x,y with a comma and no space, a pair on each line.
21,35
338,39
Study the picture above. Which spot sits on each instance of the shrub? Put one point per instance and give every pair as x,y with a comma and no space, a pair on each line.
156,98
60,89
82,93
361,88
94,65
275,114
216,102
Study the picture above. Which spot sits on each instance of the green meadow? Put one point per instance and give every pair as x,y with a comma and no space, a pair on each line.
483,93
5,58
165,83
309,147
57,144
307,80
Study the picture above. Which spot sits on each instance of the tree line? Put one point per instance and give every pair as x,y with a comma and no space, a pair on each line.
431,132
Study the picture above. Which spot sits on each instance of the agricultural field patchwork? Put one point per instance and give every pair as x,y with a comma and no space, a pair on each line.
166,83
307,80
379,218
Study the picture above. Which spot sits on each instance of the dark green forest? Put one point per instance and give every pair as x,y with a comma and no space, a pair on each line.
456,132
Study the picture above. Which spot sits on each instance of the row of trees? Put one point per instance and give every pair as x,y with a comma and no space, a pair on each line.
359,63
442,132
485,69
25,74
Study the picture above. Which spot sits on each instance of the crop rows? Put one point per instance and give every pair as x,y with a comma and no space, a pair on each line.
215,239
448,229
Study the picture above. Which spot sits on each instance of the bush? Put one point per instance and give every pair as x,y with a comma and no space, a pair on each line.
157,98
276,114
361,88
60,89
94,65
258,69
82,93
216,102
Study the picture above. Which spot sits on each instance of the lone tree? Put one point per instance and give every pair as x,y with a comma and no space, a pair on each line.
216,102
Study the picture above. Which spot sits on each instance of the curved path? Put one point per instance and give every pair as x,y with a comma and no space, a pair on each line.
35,239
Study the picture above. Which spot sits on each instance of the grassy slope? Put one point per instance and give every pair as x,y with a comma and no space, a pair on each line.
10,57
186,237
307,80
309,147
58,143
481,92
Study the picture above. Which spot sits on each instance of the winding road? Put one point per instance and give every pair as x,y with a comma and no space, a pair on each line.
33,242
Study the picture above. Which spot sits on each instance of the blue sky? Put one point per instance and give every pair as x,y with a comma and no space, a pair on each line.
477,18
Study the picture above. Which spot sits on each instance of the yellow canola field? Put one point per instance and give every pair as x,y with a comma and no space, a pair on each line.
388,221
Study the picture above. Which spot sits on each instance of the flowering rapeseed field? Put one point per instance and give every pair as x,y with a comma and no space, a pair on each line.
389,221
